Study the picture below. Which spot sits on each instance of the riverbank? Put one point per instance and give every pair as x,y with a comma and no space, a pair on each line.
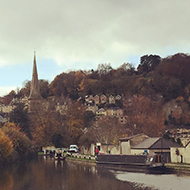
179,167
81,157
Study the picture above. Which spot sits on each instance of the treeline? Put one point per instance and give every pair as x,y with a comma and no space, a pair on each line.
14,144
168,77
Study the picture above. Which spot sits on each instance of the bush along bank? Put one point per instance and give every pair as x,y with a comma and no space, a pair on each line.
15,145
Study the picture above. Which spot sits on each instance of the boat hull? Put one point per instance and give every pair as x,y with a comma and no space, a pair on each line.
134,162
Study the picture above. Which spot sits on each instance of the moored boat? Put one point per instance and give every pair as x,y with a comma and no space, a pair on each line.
59,155
146,161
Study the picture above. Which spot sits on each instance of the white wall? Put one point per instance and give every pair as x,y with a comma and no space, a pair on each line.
184,151
125,148
137,151
112,149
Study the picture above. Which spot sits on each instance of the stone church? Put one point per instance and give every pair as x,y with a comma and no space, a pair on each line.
35,98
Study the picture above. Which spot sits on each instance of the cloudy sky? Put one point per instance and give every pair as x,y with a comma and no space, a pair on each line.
80,34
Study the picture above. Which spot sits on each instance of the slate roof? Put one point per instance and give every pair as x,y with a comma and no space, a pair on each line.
129,138
2,119
135,139
146,144
155,143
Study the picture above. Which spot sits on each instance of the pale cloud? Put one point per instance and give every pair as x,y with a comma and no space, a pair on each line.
82,34
5,90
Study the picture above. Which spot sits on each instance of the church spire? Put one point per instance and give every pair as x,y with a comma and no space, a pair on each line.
34,89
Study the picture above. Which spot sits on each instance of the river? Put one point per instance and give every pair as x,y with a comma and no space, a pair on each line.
47,174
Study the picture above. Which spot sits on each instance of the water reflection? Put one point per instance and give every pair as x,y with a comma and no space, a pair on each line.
48,174
6,181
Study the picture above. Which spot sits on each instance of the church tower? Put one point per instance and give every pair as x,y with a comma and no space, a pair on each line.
35,96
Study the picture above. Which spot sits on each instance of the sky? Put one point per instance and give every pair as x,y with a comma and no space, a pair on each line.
80,34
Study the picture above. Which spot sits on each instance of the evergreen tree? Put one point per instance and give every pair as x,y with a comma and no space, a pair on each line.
19,116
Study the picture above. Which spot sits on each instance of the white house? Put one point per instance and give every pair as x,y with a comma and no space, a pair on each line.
180,154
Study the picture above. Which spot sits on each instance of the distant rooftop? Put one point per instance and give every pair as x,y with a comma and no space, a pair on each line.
147,143
2,119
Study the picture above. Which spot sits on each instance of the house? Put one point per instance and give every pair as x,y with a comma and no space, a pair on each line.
2,121
128,142
111,99
180,154
103,149
108,148
103,99
7,109
88,150
114,111
89,100
94,109
101,112
61,108
96,100
118,97
155,145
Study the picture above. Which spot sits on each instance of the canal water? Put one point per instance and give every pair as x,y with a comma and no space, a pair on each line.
47,174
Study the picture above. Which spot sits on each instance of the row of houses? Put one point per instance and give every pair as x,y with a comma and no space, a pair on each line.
112,111
142,144
92,103
96,100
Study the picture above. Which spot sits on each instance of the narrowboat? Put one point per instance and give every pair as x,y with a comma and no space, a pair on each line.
145,161
59,155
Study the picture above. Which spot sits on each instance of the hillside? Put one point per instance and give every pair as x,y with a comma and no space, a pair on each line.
155,96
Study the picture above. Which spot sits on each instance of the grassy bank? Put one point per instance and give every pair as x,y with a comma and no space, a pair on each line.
81,157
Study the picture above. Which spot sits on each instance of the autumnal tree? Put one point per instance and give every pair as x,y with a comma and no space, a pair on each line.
148,63
169,87
177,112
176,66
88,118
61,137
21,143
75,120
6,146
93,74
8,98
44,88
104,68
44,126
79,80
145,116
25,90
58,85
104,130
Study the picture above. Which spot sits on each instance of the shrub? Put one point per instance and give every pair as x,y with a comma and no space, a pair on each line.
6,146
21,143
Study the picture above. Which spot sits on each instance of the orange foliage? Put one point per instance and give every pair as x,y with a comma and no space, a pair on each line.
145,116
